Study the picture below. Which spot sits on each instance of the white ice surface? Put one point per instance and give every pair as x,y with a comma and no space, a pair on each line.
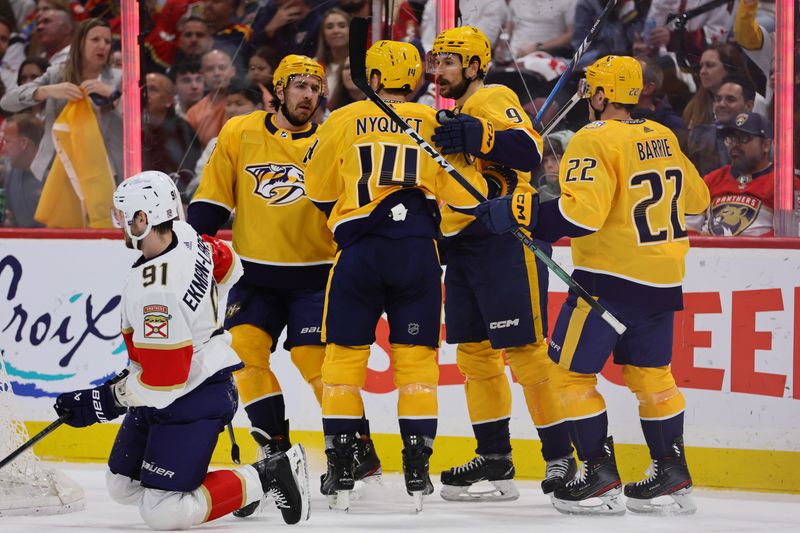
386,507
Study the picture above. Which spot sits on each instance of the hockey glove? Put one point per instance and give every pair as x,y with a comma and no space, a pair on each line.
89,406
464,134
507,213
500,180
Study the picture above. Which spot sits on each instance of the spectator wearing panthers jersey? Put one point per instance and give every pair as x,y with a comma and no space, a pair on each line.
743,192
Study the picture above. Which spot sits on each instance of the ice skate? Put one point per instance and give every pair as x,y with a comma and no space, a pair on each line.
337,483
496,469
667,488
367,463
558,472
415,468
266,447
596,488
284,476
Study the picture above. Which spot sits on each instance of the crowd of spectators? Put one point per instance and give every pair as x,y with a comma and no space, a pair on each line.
708,76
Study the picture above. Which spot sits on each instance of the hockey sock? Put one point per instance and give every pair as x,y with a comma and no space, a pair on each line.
660,434
228,490
268,415
588,435
661,406
555,439
493,437
539,377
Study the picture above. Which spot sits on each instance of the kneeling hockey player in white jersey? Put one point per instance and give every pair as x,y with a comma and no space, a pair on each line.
177,392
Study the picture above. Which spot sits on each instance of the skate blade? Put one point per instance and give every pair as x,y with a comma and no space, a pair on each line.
372,477
503,491
419,498
297,459
339,501
677,503
607,504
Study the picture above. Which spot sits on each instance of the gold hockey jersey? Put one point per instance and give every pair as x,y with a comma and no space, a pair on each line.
629,183
362,158
258,170
499,104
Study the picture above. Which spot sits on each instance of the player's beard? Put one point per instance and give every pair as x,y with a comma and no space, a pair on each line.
455,90
293,119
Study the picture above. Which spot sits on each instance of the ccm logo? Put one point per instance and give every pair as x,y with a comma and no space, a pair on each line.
315,329
500,324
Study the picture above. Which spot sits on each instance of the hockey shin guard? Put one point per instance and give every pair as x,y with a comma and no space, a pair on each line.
488,395
661,406
538,375
343,375
259,389
308,360
416,375
585,409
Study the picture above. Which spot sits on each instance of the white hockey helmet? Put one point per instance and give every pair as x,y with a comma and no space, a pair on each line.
152,192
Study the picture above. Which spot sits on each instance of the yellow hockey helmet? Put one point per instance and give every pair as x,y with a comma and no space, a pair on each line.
620,77
399,64
466,41
297,65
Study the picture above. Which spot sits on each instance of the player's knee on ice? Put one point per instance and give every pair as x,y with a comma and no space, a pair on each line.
122,489
169,510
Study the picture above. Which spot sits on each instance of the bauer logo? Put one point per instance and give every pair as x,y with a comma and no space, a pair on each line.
311,329
279,184
500,324
157,470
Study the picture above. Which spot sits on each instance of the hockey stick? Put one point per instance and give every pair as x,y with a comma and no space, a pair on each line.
49,429
33,440
358,69
593,31
559,116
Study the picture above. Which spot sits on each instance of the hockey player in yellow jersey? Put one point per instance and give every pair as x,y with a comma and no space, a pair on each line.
287,250
380,191
496,291
626,188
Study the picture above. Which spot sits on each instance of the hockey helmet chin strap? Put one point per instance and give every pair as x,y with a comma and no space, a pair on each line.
137,241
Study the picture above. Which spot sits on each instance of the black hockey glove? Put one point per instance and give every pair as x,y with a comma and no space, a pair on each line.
464,134
500,180
89,406
507,213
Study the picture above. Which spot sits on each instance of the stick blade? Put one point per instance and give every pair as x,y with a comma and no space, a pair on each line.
359,31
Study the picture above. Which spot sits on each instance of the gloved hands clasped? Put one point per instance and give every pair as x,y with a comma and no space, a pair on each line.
506,213
463,134
89,406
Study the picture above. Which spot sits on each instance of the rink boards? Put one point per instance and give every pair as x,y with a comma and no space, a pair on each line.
736,358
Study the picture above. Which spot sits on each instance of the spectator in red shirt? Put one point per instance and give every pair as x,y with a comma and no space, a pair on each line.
742,193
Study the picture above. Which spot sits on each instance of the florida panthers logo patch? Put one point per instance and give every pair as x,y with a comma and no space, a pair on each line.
156,322
732,214
279,184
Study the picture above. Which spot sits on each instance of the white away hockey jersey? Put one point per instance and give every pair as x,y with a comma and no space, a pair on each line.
170,318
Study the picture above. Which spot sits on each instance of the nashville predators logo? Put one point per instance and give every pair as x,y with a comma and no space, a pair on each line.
156,326
732,218
279,184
